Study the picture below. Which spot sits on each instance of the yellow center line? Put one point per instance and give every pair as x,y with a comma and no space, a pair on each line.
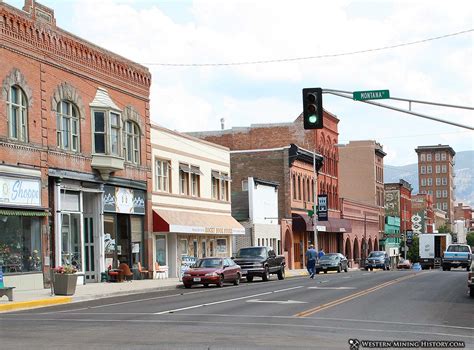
352,296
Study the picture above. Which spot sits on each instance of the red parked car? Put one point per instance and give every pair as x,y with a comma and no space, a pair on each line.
216,271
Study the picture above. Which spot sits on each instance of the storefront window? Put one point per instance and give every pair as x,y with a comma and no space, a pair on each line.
71,241
184,246
20,244
221,245
110,242
160,257
136,223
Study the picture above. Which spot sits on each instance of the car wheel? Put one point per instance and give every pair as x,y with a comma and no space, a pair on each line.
468,269
339,269
346,269
449,268
187,285
371,269
266,274
366,269
317,272
237,280
249,278
206,285
220,284
281,273
471,292
325,271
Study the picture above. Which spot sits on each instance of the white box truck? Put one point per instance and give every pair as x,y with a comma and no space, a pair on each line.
432,247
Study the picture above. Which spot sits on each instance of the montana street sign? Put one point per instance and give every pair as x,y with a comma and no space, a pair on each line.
370,95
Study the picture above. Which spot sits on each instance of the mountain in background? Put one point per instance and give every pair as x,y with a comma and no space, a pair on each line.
463,169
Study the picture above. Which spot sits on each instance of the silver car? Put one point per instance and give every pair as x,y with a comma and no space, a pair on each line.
332,262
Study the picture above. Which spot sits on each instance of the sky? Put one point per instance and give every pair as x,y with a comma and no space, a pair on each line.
195,98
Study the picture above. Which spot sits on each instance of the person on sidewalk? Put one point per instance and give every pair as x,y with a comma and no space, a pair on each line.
320,254
311,260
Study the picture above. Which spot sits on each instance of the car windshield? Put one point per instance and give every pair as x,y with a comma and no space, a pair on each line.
329,257
251,252
458,248
209,263
376,254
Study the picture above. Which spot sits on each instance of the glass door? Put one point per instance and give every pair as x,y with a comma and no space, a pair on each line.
89,258
71,241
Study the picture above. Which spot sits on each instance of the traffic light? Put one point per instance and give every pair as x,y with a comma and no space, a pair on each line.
313,108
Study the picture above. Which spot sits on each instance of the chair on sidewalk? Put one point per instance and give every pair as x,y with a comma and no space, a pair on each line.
160,271
126,272
144,274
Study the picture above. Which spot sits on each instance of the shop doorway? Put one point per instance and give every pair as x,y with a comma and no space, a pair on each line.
89,256
71,240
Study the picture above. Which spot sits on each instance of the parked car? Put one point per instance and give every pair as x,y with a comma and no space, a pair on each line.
404,264
457,255
377,259
332,262
216,271
470,280
260,262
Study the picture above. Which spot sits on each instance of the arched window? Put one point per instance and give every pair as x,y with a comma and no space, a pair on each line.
17,111
294,186
132,142
67,126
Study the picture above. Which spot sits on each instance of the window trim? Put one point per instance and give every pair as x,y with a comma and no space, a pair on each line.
70,119
165,179
134,135
108,131
22,116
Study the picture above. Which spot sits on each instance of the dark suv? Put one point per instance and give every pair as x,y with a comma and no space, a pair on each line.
377,259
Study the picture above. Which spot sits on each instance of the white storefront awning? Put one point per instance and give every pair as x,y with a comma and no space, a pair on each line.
197,223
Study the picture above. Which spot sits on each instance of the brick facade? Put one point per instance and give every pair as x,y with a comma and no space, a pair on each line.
51,65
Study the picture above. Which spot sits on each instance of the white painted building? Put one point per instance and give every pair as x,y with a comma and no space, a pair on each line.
460,230
258,199
190,199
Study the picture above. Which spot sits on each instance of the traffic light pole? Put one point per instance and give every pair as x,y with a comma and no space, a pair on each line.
348,94
315,197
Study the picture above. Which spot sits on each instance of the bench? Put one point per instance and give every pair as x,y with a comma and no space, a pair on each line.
8,291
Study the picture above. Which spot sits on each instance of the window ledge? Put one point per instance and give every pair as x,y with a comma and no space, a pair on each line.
107,164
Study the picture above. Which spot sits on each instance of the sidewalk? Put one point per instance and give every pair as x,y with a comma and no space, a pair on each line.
91,291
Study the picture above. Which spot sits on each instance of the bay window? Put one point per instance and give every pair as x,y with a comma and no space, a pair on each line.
107,129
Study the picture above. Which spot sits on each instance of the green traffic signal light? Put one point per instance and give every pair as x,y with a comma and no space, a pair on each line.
313,108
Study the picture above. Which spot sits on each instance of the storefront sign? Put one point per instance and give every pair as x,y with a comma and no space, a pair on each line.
20,191
206,230
124,200
322,207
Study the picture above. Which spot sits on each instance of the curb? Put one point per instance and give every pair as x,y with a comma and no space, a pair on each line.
17,305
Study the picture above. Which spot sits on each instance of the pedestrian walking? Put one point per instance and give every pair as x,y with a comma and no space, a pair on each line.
311,255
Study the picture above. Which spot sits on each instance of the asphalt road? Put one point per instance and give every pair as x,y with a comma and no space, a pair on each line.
296,313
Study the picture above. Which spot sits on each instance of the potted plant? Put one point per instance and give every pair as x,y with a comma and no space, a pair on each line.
65,280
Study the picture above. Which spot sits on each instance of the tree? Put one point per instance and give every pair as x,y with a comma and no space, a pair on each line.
413,253
443,229
470,239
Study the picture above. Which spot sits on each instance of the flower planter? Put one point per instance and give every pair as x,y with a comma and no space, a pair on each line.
64,283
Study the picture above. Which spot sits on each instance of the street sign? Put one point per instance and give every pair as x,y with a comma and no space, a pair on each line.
322,207
310,213
409,236
370,95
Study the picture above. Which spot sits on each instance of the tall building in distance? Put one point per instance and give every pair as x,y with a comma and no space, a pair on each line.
436,176
361,174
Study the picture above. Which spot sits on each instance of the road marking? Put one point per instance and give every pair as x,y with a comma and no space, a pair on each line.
368,273
276,301
352,296
351,320
347,277
209,304
325,281
249,324
331,288
286,289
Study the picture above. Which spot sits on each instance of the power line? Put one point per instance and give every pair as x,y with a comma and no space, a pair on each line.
308,57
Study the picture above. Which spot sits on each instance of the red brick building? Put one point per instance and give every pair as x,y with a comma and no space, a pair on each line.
364,234
292,167
275,136
399,203
465,212
74,140
423,213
